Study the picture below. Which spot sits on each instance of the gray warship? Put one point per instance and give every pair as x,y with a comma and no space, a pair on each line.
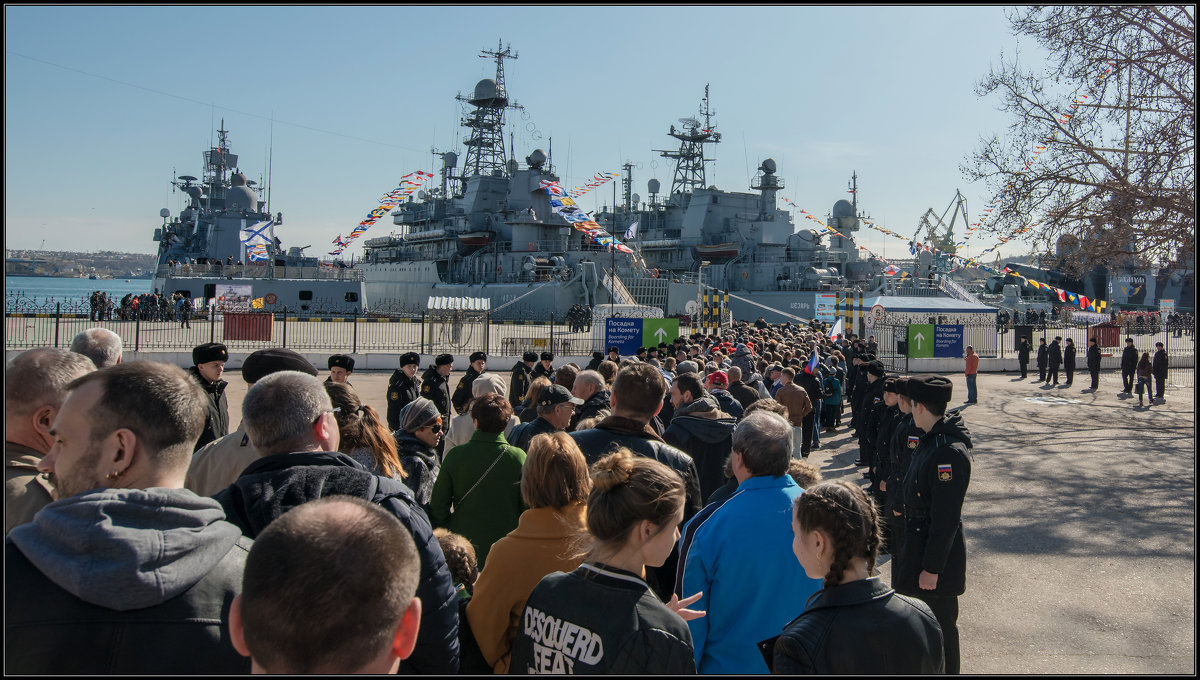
223,245
488,231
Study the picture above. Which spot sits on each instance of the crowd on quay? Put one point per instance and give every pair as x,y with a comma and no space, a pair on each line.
604,518
146,306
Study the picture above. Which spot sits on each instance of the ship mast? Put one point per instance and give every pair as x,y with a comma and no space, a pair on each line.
689,159
485,144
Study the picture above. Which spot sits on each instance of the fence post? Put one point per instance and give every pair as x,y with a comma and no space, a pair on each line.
354,348
422,332
57,320
212,323
551,348
285,326
487,333
137,331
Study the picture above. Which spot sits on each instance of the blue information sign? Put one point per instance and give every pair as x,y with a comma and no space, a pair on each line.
624,334
947,341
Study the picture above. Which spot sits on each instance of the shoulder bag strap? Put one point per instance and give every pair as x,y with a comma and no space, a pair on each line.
485,474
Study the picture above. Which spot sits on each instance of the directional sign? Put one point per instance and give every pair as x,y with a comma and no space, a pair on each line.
920,340
625,334
655,331
947,341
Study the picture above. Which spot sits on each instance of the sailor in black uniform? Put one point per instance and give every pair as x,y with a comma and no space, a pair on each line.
403,388
462,393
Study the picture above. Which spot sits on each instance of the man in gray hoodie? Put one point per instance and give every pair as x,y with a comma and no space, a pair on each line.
126,572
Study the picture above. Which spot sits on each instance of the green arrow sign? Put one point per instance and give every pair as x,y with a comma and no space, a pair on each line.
655,331
920,340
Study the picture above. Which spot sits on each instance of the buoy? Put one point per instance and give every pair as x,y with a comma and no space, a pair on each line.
654,273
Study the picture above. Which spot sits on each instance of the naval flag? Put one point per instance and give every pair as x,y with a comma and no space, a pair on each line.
632,230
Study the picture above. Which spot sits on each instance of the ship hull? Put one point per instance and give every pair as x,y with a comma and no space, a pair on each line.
302,296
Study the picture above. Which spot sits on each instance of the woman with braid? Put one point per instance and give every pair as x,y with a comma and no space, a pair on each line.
856,624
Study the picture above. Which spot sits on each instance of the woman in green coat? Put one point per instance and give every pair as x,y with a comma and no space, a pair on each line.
478,491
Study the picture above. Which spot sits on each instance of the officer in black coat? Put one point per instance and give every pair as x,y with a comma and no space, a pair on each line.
1054,360
344,365
462,393
1069,360
872,396
518,383
208,365
1043,359
933,563
1023,350
435,385
545,367
1093,363
1159,371
403,388
1129,361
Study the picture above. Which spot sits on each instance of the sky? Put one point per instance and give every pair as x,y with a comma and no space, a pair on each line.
104,104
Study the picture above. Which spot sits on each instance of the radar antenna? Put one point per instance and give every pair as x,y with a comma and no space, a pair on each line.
689,159
486,154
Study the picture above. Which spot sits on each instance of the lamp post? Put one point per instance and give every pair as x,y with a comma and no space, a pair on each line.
700,288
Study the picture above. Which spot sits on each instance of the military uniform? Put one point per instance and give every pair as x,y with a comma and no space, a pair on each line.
402,390
462,393
540,369
520,380
1023,350
436,388
934,489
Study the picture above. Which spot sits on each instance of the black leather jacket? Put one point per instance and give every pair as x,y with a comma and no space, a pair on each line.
859,628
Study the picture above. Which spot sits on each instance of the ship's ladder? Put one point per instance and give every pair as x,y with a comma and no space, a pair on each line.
955,290
620,293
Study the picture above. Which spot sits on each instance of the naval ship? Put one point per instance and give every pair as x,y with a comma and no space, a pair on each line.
489,231
222,249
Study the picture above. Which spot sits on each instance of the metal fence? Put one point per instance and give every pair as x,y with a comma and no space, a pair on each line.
992,341
427,333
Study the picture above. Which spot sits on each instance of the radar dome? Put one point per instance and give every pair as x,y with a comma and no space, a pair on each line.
768,166
843,208
450,159
536,159
488,93
653,186
237,180
240,197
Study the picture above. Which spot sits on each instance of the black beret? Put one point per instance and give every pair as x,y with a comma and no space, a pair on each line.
478,356
264,362
930,389
410,358
209,351
529,356
875,368
443,359
341,360
547,356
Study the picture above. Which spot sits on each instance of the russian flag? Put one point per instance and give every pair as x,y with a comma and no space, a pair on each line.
813,362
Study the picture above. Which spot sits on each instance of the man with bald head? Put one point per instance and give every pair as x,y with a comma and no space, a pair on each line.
291,425
100,345
35,383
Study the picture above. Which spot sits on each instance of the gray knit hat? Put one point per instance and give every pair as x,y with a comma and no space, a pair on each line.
687,366
417,414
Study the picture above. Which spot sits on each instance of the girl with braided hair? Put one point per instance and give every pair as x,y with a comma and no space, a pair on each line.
856,624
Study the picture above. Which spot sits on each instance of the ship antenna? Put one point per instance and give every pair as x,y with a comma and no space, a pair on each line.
270,161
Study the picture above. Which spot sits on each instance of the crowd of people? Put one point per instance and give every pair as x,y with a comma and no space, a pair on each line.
103,306
645,514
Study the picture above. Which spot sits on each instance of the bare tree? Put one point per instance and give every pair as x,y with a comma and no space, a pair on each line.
1113,112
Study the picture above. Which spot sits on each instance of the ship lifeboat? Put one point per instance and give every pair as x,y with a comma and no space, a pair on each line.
475,239
721,251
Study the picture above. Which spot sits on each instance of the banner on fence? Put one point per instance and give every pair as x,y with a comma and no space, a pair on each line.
233,297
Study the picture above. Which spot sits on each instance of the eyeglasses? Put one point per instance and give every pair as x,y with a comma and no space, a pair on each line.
334,411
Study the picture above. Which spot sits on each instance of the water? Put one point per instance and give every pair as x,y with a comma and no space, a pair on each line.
43,288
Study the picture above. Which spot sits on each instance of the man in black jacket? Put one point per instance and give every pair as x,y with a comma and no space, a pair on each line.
1054,361
1093,363
435,385
403,388
518,383
933,563
637,395
701,429
1043,359
208,365
555,407
291,423
462,393
589,386
1159,370
1023,350
1129,360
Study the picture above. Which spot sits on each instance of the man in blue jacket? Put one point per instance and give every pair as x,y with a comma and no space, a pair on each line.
738,552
